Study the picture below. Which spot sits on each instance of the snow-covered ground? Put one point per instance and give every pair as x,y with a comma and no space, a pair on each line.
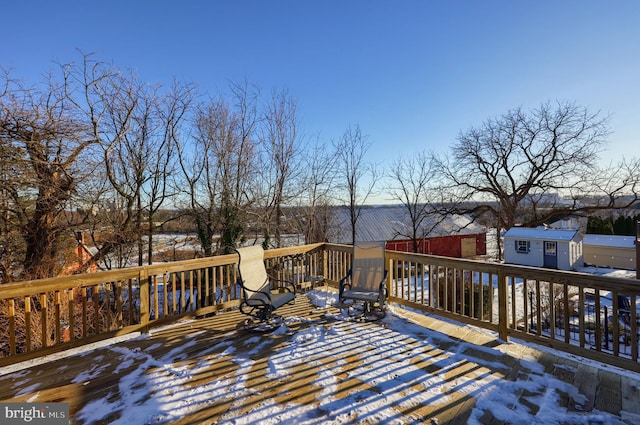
388,368
159,392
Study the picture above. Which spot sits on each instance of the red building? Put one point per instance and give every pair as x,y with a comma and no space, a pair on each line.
451,236
458,246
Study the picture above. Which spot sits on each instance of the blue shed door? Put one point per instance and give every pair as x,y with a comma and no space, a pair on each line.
551,254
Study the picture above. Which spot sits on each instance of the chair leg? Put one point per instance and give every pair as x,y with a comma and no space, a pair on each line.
354,309
265,320
373,312
365,311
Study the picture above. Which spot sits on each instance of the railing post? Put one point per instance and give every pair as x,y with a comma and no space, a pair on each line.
325,263
531,313
143,281
12,327
606,328
503,333
43,319
389,280
637,249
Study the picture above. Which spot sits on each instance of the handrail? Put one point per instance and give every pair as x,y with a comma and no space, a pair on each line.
560,309
574,312
39,317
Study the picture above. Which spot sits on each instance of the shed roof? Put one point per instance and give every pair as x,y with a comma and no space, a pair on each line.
613,241
389,222
541,233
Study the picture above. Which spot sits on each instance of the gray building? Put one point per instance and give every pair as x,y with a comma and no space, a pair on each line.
544,247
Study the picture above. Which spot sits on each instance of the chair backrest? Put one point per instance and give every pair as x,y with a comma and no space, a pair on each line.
253,274
367,266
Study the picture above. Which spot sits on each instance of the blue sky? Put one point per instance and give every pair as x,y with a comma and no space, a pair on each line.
411,74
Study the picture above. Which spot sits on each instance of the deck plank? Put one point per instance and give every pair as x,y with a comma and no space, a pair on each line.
608,394
585,380
217,342
630,390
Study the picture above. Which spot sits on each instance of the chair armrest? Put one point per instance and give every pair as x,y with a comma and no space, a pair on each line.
289,285
248,292
384,292
344,283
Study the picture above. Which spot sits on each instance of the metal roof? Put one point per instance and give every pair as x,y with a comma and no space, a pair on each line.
613,241
389,222
545,233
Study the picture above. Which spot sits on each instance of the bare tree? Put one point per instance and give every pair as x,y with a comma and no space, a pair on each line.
412,185
44,141
356,177
201,169
121,116
171,110
532,167
13,178
238,194
281,168
218,169
314,214
118,112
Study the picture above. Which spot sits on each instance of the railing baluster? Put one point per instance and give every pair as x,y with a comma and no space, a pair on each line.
156,297
538,309
514,305
12,327
525,306
634,328
84,311
198,296
472,296
71,312
144,283
130,301
208,272
598,321
44,308
107,290
581,314
27,321
191,305
566,313
615,323
503,332
58,318
96,309
552,311
119,320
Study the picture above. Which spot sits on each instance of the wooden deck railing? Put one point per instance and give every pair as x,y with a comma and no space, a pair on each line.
48,315
592,316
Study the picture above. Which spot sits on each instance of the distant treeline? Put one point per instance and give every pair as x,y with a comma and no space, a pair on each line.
623,225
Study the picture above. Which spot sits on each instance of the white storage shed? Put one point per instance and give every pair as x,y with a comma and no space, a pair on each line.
544,247
618,252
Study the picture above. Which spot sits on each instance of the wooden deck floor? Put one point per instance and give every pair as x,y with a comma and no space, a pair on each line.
209,349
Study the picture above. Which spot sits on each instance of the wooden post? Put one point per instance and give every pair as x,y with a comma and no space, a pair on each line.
637,249
71,306
503,314
84,311
389,267
143,281
27,321
96,316
325,263
12,327
58,334
43,319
